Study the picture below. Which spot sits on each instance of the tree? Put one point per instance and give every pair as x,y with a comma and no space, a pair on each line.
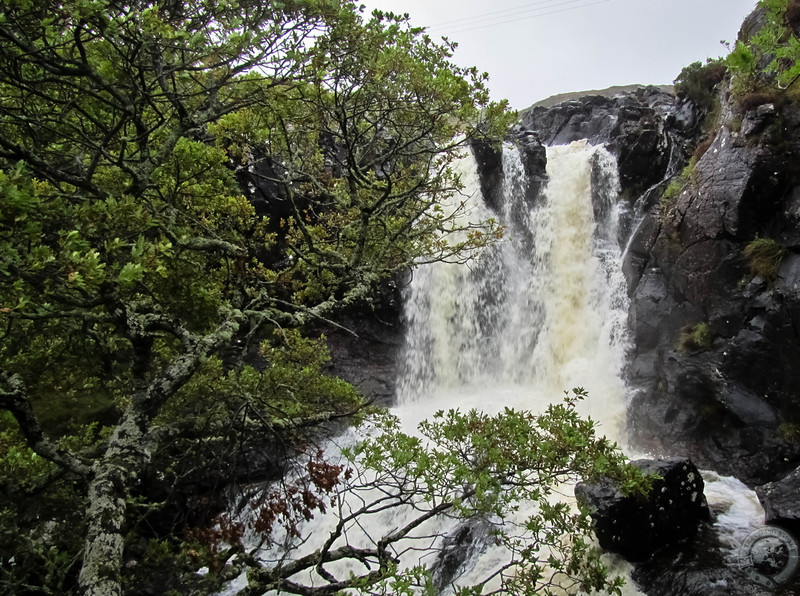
503,473
131,265
698,82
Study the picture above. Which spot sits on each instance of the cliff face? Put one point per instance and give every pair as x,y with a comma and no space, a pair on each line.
733,401
714,367
645,129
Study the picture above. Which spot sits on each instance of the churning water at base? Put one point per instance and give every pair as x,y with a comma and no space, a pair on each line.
540,313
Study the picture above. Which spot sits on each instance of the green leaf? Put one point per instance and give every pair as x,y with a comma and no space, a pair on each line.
131,273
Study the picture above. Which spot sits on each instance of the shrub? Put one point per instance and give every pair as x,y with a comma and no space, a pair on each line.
764,257
695,338
703,146
698,81
769,56
671,193
789,431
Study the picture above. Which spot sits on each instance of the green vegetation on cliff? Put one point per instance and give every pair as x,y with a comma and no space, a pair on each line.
770,56
764,257
698,82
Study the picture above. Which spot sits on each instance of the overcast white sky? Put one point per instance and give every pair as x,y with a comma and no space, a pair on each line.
536,48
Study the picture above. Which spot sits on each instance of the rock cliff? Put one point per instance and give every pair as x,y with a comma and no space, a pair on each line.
712,259
730,401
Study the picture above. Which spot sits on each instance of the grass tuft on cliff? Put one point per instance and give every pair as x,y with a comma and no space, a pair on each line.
764,257
695,338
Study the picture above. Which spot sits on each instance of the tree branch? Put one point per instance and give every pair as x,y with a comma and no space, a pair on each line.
14,398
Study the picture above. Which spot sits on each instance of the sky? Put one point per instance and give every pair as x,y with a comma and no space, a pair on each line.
533,49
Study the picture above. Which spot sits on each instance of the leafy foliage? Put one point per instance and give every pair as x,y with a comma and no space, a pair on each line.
137,280
695,338
40,515
771,55
152,320
698,82
507,470
676,187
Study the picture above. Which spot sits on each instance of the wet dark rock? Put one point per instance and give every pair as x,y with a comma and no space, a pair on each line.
692,407
633,126
686,117
461,545
491,172
366,347
701,566
489,159
781,502
641,237
655,310
535,153
722,405
757,119
534,160
734,194
637,527
258,180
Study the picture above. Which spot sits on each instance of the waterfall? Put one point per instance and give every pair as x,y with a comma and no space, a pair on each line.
539,313
536,314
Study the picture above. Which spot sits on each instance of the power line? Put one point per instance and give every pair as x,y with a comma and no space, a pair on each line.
494,13
513,17
525,15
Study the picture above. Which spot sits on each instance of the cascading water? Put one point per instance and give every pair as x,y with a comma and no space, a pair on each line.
536,315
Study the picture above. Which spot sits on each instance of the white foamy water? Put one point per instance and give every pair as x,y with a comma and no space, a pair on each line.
740,512
525,323
538,315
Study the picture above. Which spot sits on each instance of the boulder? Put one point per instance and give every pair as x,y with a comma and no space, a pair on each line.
638,527
781,502
534,159
460,546
701,567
